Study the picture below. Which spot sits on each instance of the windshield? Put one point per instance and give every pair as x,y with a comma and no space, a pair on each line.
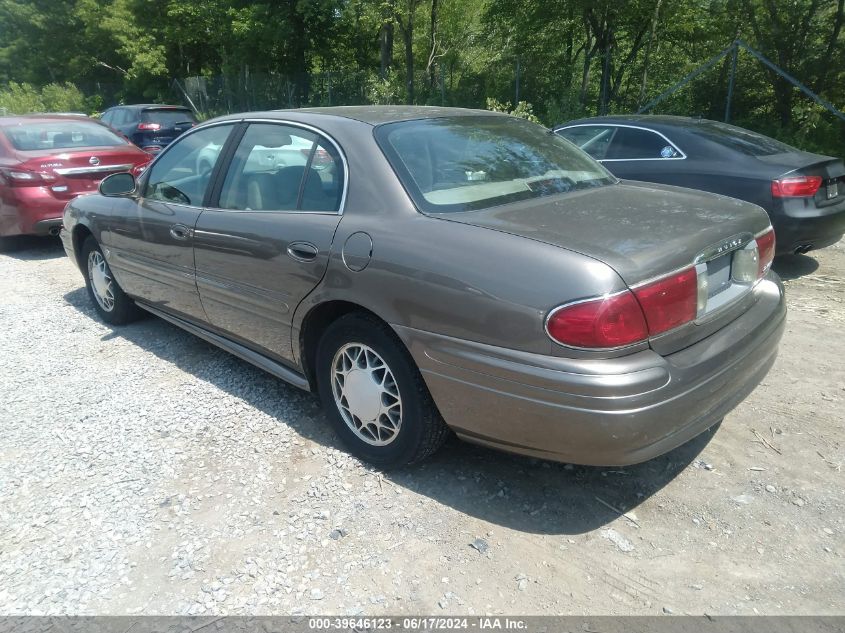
741,140
60,135
465,163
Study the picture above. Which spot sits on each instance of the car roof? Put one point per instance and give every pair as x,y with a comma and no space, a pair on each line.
370,114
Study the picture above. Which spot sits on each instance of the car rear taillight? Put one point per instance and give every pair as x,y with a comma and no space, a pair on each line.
670,301
612,321
766,252
796,186
149,127
25,178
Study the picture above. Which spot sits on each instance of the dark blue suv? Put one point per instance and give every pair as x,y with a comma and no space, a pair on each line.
151,127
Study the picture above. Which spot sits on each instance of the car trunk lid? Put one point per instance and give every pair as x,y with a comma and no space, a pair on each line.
644,232
830,170
72,173
641,230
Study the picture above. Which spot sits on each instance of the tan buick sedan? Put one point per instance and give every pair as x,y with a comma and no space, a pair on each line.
427,270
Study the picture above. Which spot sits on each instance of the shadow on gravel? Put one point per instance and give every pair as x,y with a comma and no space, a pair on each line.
794,266
519,493
32,248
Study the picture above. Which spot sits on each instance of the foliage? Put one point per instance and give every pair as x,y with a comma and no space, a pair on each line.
569,58
384,90
523,109
23,98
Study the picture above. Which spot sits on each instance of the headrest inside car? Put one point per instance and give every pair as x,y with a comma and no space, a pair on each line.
275,139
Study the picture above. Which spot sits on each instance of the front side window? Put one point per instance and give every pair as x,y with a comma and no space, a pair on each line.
182,174
283,168
464,163
631,143
68,134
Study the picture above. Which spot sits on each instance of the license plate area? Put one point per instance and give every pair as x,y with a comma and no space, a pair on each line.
723,269
719,274
832,189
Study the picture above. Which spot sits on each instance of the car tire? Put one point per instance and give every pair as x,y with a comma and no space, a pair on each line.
374,395
111,303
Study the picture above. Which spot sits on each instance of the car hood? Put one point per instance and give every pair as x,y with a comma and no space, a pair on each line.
641,230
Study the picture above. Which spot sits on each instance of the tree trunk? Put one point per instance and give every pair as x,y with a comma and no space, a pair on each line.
588,58
606,40
407,29
831,47
432,46
568,60
386,44
409,52
303,80
654,21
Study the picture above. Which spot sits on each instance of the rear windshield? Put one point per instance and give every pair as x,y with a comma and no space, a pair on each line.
472,162
60,135
167,118
741,140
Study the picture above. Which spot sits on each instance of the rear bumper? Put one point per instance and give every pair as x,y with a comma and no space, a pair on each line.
801,224
30,211
601,412
151,143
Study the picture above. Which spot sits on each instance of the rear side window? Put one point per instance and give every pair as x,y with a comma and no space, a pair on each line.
593,139
120,116
741,140
68,134
283,168
167,118
633,143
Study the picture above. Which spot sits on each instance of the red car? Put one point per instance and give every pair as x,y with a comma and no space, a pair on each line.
45,161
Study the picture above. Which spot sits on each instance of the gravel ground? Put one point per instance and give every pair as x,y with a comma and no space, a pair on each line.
143,471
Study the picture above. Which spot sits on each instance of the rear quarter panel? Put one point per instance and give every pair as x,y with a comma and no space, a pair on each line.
458,280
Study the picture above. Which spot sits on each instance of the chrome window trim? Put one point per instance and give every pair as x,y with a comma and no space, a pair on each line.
682,156
320,133
304,126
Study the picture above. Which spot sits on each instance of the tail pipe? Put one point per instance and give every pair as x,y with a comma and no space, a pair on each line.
802,248
54,231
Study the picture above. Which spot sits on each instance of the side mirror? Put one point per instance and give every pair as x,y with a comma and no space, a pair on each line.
116,185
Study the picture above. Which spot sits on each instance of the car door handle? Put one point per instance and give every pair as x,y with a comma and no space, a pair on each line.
302,251
180,232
